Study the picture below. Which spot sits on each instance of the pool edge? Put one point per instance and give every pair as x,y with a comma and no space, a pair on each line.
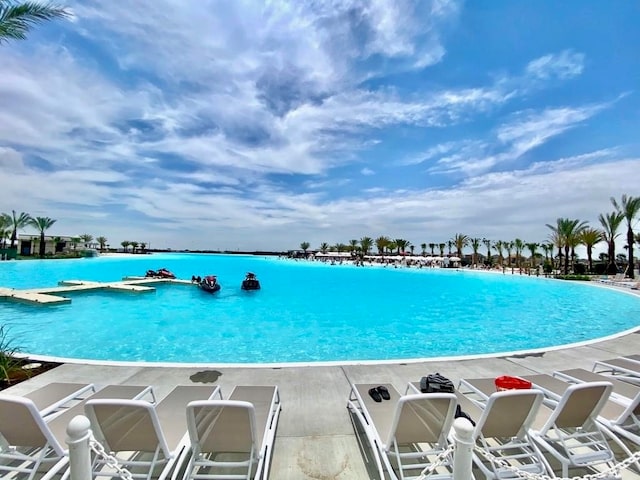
334,363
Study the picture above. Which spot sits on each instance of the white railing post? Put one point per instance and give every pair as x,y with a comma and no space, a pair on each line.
78,437
463,455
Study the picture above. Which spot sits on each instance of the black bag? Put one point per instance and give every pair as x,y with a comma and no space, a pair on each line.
436,383
460,413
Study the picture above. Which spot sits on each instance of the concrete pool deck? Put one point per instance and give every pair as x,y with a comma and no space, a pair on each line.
315,437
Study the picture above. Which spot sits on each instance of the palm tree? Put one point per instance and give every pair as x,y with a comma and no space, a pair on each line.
143,247
487,243
450,245
519,246
475,245
568,231
305,246
432,246
610,224
629,207
533,247
86,238
353,245
102,241
441,246
590,237
423,246
508,246
366,243
551,246
125,245
20,221
391,246
555,240
545,249
42,224
381,244
5,228
460,241
401,244
134,245
341,247
17,18
499,245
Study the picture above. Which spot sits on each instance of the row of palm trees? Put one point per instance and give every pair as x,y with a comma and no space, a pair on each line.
566,234
569,233
102,243
134,246
11,223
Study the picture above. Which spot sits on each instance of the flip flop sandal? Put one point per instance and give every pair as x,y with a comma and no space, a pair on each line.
373,392
384,393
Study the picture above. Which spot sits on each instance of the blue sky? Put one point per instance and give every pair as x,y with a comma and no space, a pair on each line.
260,125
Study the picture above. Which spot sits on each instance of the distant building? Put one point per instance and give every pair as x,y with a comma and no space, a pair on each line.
30,244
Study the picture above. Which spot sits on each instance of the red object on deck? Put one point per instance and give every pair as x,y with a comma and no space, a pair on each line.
506,382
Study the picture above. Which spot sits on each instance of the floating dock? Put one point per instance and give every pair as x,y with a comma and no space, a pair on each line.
55,295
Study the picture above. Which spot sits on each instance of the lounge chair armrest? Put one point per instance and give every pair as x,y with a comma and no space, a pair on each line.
147,391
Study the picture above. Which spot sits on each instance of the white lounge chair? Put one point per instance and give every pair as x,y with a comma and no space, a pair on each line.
503,421
232,438
571,432
622,412
31,442
406,432
53,396
627,367
144,437
623,392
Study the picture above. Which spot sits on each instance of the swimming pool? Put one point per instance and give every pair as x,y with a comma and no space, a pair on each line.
305,312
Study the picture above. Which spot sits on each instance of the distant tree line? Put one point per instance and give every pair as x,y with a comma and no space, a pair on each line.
565,235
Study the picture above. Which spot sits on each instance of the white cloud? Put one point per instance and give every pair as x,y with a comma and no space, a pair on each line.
436,151
566,64
524,132
11,160
496,205
531,129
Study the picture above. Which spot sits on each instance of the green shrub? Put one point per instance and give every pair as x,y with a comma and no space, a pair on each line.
581,278
10,364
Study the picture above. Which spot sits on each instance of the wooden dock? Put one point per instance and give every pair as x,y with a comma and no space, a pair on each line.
55,295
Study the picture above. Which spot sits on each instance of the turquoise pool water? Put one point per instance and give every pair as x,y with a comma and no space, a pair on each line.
305,312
